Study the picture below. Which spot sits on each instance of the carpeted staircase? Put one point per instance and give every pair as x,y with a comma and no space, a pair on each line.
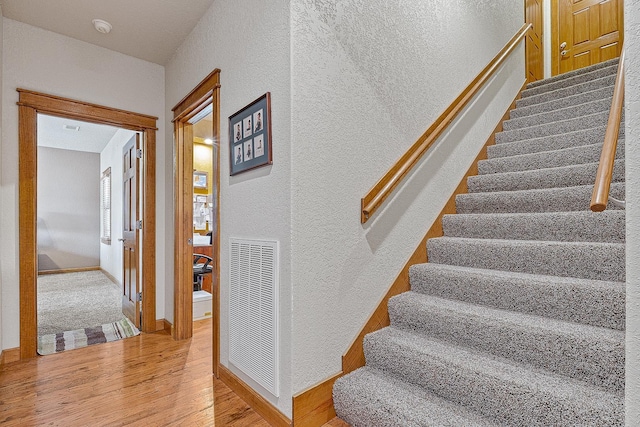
518,318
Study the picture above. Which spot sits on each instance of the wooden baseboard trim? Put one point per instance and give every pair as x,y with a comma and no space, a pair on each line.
9,355
68,270
314,406
258,403
106,273
163,325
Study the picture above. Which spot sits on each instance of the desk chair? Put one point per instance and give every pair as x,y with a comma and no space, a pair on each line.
202,265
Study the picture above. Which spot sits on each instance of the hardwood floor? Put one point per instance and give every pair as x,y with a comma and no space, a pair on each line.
148,380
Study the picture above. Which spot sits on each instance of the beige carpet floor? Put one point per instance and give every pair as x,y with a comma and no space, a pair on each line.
71,301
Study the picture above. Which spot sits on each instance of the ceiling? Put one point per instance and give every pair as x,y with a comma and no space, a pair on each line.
151,30
90,137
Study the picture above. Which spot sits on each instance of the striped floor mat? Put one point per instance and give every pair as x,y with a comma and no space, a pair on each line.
69,340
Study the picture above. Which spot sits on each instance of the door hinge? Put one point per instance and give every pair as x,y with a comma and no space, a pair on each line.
139,225
139,153
139,296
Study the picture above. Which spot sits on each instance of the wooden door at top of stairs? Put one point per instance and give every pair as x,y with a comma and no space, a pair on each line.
130,235
533,42
590,31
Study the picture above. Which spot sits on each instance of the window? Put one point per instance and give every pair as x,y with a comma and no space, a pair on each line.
105,207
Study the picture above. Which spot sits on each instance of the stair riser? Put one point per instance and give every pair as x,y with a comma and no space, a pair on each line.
581,98
565,92
595,261
556,128
599,362
573,300
610,226
555,142
547,159
506,402
546,200
571,81
542,178
586,109
573,73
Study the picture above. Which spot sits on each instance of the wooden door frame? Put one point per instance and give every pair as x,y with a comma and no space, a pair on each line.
206,93
555,34
30,104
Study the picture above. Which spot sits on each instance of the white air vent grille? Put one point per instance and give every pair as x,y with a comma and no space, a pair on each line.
253,310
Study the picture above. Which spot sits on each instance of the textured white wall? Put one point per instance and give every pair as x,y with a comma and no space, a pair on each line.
2,203
632,165
546,37
44,61
111,156
68,209
249,41
368,78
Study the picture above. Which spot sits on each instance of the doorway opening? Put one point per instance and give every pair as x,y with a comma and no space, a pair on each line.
79,220
30,105
196,120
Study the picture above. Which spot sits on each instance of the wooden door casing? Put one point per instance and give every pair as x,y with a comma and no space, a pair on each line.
592,30
533,43
130,253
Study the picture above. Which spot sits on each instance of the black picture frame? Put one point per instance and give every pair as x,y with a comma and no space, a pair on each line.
250,136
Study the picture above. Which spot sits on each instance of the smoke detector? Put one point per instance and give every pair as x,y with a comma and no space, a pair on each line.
102,26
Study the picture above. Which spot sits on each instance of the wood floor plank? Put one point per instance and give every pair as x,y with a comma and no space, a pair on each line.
148,380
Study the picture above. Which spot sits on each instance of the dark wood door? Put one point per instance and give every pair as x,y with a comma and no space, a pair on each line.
590,31
130,235
533,43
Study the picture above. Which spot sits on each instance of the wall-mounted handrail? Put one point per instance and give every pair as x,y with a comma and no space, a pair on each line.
600,195
385,186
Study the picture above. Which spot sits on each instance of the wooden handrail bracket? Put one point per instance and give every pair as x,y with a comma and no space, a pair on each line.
385,186
602,186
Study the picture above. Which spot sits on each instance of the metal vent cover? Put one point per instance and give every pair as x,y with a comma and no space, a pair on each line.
253,310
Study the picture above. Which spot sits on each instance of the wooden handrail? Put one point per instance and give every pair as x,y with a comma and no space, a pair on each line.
600,196
385,186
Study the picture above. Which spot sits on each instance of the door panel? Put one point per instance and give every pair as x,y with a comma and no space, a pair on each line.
533,41
130,235
592,30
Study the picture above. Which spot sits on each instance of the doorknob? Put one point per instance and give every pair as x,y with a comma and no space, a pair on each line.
563,53
120,240
563,45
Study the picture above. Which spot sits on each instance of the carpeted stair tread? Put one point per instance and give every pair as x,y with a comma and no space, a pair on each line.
590,302
547,159
555,128
567,91
509,392
563,199
570,74
575,226
580,138
569,81
586,260
369,397
585,109
563,176
580,98
587,353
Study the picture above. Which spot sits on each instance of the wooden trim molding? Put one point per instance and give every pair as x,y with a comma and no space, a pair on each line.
394,176
163,325
314,406
10,355
602,186
253,399
29,105
206,93
69,270
110,276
